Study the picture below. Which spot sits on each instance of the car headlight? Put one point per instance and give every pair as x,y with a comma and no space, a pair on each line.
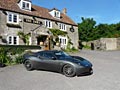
79,63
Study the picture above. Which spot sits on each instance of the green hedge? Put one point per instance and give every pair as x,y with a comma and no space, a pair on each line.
12,54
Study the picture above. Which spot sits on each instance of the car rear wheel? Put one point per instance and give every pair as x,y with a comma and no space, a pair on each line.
28,65
69,71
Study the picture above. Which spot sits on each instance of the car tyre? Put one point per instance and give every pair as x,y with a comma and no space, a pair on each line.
28,65
69,71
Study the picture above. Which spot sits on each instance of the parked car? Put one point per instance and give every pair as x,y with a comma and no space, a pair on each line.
58,61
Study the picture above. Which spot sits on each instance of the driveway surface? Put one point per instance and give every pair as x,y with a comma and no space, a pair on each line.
106,76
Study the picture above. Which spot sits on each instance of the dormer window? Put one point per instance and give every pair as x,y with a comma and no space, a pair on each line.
55,13
25,5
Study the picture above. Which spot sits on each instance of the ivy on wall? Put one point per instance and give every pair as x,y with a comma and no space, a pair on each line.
57,32
24,37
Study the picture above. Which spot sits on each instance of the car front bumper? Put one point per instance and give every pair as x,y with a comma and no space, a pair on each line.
84,71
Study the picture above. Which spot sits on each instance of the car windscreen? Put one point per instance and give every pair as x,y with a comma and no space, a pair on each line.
61,54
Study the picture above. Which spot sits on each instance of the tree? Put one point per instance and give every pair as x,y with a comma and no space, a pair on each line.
86,29
24,37
104,30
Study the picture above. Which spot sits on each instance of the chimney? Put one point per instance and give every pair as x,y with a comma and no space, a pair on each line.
64,11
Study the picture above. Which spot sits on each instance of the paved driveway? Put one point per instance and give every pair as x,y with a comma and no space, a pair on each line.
106,75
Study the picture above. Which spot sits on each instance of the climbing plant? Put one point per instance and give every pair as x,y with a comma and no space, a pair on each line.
24,37
57,32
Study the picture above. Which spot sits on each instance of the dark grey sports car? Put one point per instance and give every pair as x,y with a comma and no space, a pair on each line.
58,61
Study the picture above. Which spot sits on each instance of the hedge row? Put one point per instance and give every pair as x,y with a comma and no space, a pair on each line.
12,54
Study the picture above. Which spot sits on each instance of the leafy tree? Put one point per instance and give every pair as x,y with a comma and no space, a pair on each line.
116,30
104,30
86,29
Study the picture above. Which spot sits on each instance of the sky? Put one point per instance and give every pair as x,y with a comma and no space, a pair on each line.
102,11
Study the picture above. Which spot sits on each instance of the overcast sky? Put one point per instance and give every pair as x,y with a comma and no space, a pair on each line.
103,11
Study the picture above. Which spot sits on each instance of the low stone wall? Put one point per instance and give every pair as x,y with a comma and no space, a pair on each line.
105,44
118,43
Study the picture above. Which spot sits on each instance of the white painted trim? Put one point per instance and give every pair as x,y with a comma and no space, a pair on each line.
12,17
12,40
48,23
62,27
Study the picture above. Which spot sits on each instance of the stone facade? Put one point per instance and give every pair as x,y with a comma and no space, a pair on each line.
34,25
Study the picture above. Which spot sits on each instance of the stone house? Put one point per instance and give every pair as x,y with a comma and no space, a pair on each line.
22,16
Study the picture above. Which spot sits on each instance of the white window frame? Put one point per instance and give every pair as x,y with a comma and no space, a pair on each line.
11,16
11,40
63,41
56,14
62,26
26,7
48,23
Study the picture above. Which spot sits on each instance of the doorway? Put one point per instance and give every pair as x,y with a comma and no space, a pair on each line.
44,41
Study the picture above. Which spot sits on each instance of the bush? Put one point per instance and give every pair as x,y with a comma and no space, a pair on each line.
86,47
11,54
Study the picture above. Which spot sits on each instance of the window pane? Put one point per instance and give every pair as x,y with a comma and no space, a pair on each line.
23,5
55,14
49,24
10,17
27,6
15,40
65,41
60,26
15,18
10,40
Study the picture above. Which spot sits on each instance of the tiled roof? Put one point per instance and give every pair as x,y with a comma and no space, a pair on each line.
12,5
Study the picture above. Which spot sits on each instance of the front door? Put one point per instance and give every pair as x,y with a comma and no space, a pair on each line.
44,41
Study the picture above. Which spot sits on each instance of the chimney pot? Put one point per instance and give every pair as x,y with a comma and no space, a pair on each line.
64,11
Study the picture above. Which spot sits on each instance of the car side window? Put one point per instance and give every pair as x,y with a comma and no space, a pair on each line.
41,56
49,55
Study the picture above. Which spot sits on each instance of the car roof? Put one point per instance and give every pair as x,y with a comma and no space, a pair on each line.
49,51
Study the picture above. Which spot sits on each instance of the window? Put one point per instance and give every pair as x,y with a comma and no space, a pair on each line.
12,40
48,24
12,18
63,40
62,26
57,14
26,5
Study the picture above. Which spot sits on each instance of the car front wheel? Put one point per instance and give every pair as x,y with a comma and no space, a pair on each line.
28,65
69,71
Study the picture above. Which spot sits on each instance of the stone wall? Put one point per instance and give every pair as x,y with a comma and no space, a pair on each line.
118,43
109,43
105,44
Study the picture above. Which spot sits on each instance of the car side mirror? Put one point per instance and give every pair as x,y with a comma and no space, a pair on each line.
53,58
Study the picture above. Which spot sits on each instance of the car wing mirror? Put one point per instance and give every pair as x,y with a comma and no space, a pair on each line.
53,58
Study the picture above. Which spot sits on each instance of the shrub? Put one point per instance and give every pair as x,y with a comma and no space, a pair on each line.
11,54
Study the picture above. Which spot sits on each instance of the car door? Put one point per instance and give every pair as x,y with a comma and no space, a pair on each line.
49,62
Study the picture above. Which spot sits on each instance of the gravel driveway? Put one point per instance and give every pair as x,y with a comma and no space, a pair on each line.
106,65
